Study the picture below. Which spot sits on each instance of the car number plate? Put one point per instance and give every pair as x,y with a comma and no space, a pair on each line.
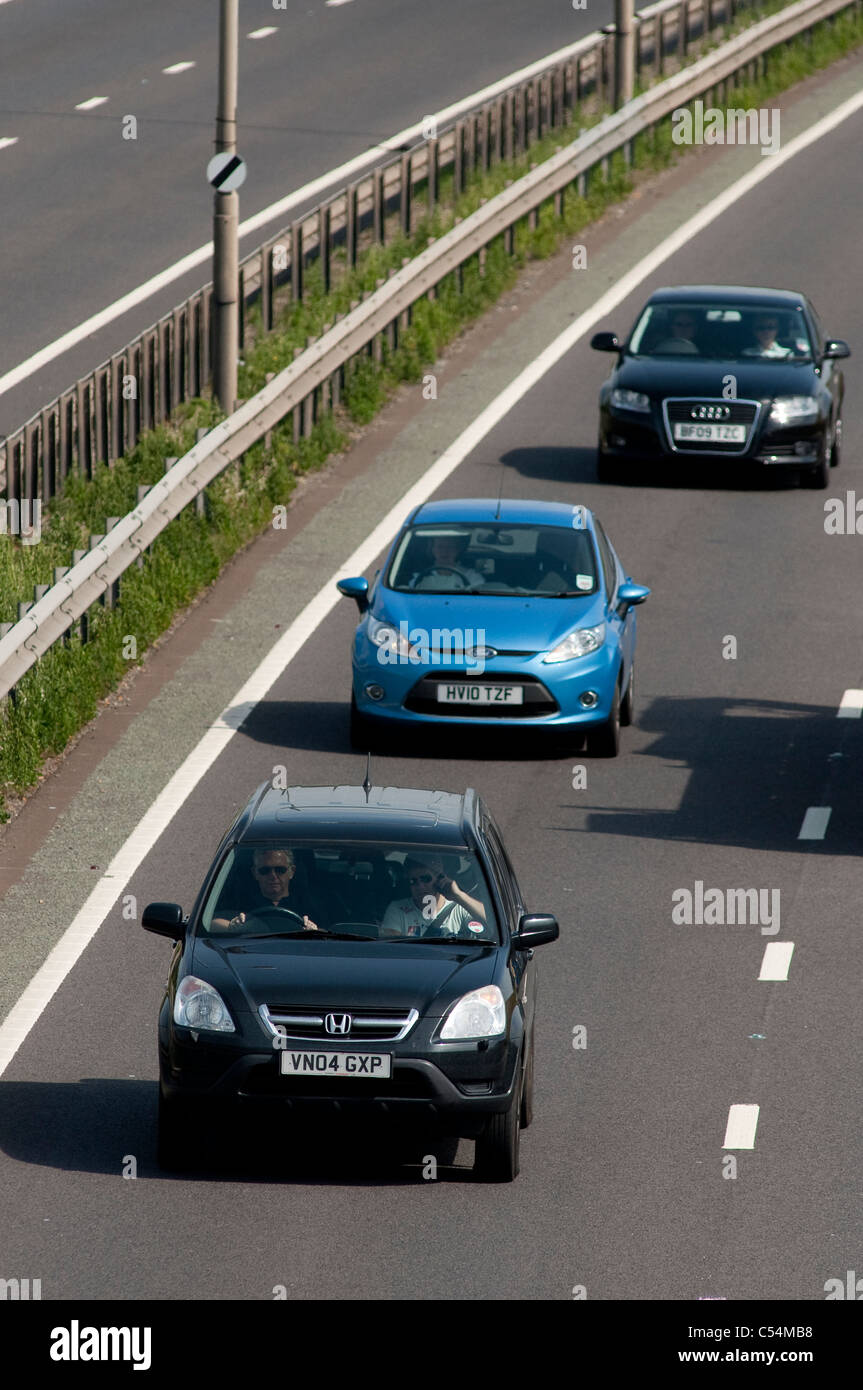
712,434
373,1065
480,695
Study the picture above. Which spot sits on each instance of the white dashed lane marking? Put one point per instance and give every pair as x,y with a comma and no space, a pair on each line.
8,140
263,33
814,825
777,960
740,1130
90,103
178,67
851,705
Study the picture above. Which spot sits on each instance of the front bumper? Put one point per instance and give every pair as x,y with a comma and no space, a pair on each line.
551,691
454,1085
635,436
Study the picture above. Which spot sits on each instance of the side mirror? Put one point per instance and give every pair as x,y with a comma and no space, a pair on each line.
835,347
165,919
357,589
605,342
630,593
535,929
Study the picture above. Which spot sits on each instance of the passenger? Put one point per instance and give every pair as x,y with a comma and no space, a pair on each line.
436,906
272,871
766,327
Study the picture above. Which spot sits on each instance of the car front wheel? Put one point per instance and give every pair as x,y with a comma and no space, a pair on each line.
497,1149
627,704
604,742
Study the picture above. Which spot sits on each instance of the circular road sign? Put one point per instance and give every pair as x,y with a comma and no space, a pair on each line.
226,172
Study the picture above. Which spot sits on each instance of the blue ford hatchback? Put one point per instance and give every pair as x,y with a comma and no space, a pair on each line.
490,613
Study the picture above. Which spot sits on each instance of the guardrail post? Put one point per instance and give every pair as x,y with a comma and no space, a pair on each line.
379,211
405,172
682,35
324,226
458,159
352,223
296,262
432,156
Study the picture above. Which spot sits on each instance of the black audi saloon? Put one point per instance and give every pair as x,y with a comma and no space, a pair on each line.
712,372
355,951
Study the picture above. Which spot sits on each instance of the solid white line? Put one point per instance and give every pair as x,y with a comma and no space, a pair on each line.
814,825
47,980
179,67
851,705
8,140
332,3
777,960
90,103
740,1130
262,33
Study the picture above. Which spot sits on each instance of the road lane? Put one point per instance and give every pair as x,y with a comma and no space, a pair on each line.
89,215
621,1188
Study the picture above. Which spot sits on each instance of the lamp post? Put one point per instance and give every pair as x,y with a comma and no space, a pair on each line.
624,52
226,219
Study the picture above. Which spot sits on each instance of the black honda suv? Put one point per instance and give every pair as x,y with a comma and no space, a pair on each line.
354,949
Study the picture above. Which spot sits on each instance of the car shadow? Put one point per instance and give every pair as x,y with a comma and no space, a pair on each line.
755,767
325,728
578,465
108,1126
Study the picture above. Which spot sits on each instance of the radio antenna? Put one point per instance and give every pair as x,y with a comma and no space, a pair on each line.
499,493
367,784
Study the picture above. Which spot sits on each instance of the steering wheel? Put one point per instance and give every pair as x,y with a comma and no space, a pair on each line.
280,911
444,569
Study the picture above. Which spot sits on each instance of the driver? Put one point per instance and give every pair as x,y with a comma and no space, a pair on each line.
272,870
444,571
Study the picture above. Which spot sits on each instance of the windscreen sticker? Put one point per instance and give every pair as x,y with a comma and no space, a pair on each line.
475,926
584,581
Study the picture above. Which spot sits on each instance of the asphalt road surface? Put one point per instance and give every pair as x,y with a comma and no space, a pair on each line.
624,1188
89,215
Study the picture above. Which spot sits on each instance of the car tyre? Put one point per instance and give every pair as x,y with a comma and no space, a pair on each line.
627,704
818,476
178,1135
497,1147
604,742
526,1114
608,468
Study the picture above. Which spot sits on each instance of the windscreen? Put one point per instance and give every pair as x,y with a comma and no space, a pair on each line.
727,332
494,559
378,892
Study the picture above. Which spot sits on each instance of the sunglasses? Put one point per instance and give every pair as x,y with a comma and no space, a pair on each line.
279,869
421,878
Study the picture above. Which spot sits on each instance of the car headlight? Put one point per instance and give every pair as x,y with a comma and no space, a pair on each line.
629,400
480,1014
579,643
198,1005
392,643
794,410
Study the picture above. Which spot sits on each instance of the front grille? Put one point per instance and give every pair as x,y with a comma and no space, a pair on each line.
537,699
366,1025
679,409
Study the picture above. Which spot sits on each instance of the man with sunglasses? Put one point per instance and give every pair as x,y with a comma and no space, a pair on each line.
272,870
436,906
766,328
